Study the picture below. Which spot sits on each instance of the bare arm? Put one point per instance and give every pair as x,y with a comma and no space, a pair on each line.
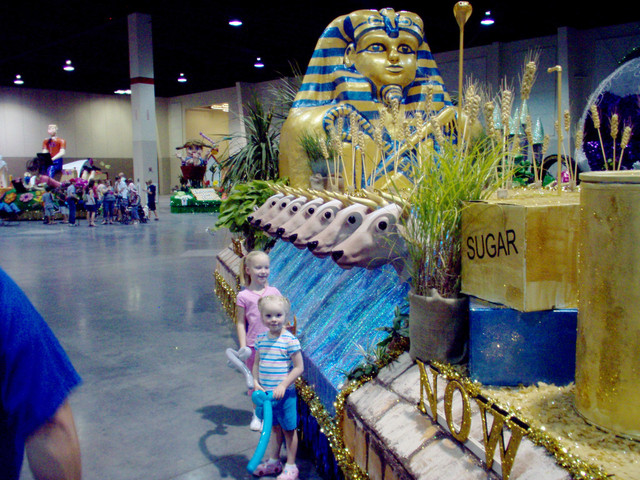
241,327
53,449
296,371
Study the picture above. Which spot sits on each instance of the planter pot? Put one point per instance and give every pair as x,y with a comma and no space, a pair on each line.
335,188
316,181
438,327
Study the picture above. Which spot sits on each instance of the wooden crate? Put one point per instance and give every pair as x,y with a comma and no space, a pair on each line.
521,252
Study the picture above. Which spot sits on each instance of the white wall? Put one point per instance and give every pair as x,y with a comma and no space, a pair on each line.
96,126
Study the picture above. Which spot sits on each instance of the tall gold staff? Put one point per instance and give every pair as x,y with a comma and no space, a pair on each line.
462,12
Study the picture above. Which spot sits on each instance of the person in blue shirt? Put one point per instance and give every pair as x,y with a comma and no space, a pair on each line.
36,378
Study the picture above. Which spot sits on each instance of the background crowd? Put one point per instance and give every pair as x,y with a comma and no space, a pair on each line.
115,203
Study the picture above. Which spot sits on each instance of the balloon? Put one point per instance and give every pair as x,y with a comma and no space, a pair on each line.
262,398
236,361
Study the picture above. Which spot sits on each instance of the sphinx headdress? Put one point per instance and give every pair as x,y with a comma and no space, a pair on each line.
328,81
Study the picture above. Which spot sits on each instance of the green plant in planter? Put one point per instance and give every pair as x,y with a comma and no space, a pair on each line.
258,159
446,174
312,146
283,92
443,180
241,202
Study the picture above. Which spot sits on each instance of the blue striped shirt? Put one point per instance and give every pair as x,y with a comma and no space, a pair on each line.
275,358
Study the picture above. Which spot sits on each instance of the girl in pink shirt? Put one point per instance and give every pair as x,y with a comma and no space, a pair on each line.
254,276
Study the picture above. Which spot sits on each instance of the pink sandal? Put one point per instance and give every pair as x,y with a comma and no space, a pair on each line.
268,468
289,473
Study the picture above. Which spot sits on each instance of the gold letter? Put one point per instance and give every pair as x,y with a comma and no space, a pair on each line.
462,434
508,455
432,392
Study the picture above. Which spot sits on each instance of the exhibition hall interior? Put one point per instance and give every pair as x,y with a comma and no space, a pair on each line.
330,240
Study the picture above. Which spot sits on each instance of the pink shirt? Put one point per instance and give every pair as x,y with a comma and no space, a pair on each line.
248,299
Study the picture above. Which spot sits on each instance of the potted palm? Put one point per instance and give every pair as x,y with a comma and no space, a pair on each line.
258,159
445,177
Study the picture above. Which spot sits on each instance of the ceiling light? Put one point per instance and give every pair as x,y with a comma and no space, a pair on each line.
235,22
68,67
123,92
258,63
182,78
487,20
18,80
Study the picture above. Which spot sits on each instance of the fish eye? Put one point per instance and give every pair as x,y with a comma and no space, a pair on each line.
273,203
351,219
284,204
312,210
327,215
295,208
382,225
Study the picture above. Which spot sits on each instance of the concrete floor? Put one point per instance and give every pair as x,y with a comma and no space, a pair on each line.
134,308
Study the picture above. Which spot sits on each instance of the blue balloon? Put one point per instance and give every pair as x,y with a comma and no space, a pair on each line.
262,398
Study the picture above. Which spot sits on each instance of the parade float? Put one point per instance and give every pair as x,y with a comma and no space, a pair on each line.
195,194
452,324
21,198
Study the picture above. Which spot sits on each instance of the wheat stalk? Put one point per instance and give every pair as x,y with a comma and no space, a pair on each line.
614,124
595,117
624,142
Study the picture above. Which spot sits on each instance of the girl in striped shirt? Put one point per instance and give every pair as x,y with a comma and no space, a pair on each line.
278,364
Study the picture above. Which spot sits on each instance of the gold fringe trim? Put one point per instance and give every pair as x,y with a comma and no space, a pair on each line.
226,294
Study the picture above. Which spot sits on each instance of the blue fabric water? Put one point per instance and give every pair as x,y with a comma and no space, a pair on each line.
337,310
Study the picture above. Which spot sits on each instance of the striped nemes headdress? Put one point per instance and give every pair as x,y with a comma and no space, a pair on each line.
328,81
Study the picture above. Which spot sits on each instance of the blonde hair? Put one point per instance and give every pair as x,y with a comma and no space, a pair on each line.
245,278
283,301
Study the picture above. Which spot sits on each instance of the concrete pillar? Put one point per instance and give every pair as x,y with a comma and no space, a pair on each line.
143,109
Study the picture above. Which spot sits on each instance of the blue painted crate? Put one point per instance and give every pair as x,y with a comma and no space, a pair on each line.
508,347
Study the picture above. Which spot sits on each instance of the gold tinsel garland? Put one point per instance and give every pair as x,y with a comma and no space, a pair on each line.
226,294
578,468
331,427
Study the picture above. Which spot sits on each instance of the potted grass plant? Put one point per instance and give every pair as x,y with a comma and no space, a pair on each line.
446,174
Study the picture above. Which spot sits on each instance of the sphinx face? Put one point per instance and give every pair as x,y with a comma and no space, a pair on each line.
385,60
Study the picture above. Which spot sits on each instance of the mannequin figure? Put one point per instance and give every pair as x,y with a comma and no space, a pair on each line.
4,174
56,147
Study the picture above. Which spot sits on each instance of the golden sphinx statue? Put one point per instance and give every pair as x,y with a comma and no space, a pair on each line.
372,82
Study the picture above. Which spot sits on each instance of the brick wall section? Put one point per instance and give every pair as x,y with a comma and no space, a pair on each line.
391,439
